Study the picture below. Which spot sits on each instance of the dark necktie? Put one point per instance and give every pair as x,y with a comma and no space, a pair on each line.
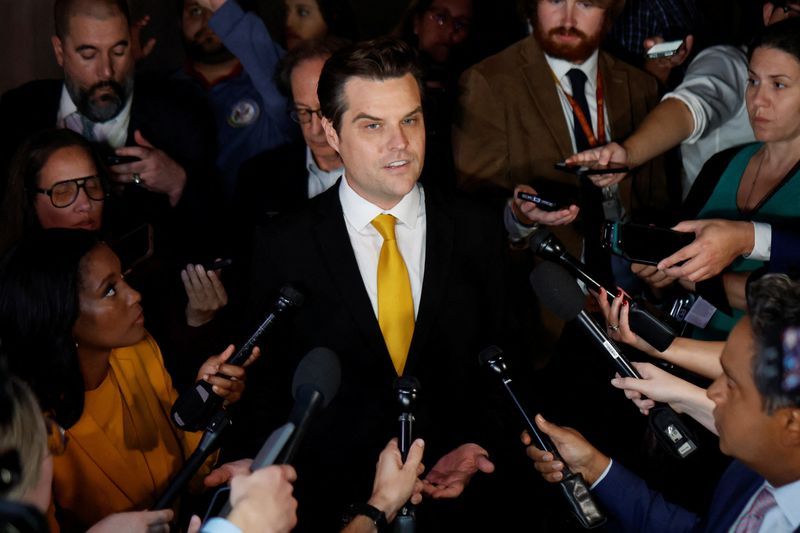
591,196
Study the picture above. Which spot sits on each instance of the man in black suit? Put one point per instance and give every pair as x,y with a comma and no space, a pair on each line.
283,178
451,303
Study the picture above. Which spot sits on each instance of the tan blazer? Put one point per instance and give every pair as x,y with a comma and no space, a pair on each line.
510,127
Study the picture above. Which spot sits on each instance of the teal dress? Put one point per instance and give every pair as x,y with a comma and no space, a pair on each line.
779,205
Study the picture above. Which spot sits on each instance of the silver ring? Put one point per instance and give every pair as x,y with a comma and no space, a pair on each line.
613,327
137,179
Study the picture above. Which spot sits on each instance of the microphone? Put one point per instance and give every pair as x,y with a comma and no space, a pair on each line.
194,408
316,382
560,293
643,322
573,486
406,389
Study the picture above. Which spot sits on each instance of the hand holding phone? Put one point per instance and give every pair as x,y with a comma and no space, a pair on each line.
541,203
592,168
643,244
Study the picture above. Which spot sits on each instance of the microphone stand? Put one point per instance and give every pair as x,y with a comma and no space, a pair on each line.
406,389
207,446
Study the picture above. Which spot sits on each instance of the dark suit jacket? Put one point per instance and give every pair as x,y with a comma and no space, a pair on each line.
634,507
461,311
510,128
785,254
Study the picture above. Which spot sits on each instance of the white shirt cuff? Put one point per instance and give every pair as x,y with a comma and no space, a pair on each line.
603,475
762,242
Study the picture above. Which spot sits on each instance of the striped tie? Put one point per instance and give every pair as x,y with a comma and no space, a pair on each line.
750,521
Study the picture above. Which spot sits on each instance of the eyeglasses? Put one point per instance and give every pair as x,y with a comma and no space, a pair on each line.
442,18
791,11
302,115
56,437
64,193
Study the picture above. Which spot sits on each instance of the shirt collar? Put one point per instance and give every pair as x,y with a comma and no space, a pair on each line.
787,497
560,67
359,212
314,168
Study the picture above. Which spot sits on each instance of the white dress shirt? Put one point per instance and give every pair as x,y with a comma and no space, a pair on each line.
319,180
114,132
410,231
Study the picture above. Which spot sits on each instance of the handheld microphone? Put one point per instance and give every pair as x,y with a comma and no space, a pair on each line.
560,293
194,408
316,382
406,389
643,322
573,486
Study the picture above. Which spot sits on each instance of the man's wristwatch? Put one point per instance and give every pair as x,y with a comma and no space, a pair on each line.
373,513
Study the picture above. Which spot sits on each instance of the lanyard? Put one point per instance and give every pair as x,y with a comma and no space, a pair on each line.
583,120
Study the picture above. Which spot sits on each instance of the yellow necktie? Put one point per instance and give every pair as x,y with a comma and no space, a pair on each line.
395,303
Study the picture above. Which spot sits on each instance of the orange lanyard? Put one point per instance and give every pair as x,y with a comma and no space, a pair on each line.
583,120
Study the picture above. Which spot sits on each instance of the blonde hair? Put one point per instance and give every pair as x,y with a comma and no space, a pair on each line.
23,430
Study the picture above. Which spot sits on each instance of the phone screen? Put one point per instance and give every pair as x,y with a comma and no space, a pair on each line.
589,168
669,48
646,244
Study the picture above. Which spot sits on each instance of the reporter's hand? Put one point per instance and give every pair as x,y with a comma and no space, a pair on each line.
656,384
610,153
580,456
230,388
528,213
134,522
617,316
653,276
225,472
205,292
139,51
158,171
717,243
397,482
263,501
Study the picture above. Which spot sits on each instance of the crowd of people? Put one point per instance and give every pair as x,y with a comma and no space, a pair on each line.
379,198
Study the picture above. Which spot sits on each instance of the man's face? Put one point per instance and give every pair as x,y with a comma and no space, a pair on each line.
745,430
381,138
304,79
98,65
569,29
202,44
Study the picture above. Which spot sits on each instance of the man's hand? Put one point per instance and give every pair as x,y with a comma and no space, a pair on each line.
135,522
654,277
453,471
661,67
528,213
155,171
610,153
580,456
211,5
717,243
206,294
395,482
139,51
230,385
263,501
224,473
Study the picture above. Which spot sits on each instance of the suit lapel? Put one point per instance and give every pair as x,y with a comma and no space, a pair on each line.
617,92
337,254
542,89
440,234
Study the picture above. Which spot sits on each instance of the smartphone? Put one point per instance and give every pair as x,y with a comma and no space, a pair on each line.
590,168
114,159
134,247
541,203
643,244
218,265
665,49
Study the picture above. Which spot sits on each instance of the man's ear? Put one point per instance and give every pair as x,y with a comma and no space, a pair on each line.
330,134
790,426
58,49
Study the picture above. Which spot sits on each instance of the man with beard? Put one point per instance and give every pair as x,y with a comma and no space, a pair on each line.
232,58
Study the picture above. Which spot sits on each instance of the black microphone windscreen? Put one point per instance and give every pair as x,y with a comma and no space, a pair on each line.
538,237
557,290
488,353
319,369
405,382
294,296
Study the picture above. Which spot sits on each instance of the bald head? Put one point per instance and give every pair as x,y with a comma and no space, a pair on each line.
99,9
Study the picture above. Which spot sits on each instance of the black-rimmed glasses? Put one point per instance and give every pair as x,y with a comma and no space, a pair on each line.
302,115
442,18
64,193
